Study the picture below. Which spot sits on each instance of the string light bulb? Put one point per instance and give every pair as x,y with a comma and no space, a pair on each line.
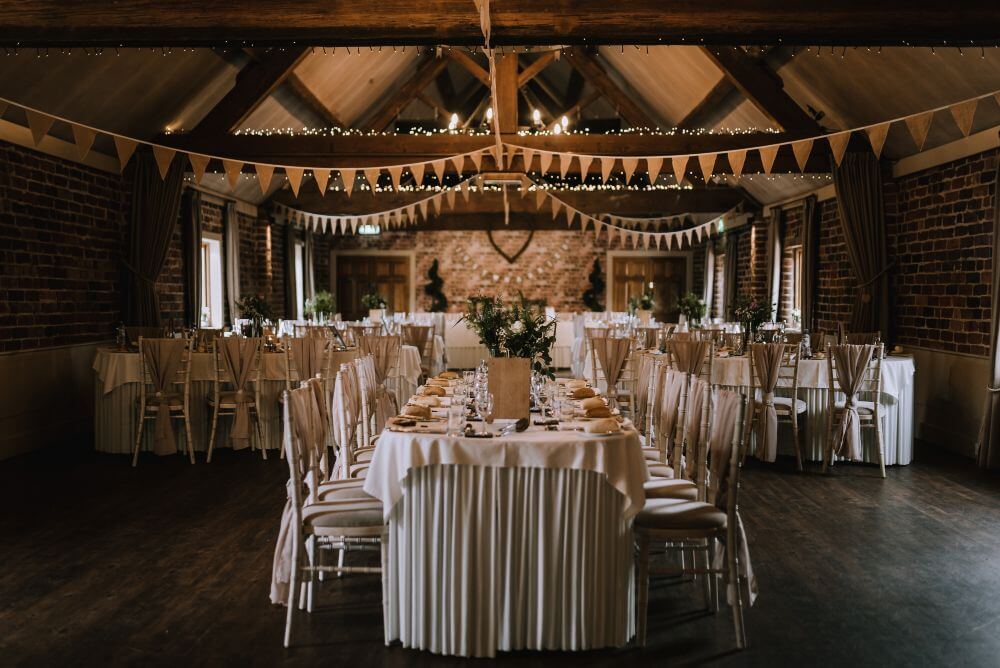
564,122
489,114
536,117
453,122
557,129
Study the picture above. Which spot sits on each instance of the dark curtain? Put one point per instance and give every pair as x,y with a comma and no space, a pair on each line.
988,447
729,274
231,258
290,297
773,260
858,182
810,259
153,218
191,234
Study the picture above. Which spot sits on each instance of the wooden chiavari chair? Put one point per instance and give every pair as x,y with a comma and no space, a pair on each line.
420,337
237,362
862,338
867,397
164,364
134,333
787,408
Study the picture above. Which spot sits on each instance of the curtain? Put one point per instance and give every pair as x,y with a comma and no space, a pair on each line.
858,183
988,447
709,288
308,278
231,257
154,213
729,274
291,304
191,236
774,261
810,259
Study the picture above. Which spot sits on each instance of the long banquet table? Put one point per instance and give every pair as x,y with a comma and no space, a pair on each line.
517,542
116,393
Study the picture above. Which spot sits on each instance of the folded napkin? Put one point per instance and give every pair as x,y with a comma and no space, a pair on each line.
431,401
432,390
575,384
599,412
448,375
604,426
592,402
583,393
438,382
417,411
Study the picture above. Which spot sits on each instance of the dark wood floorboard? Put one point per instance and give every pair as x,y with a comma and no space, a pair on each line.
169,564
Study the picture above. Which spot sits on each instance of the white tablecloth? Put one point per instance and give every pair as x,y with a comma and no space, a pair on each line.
504,544
116,392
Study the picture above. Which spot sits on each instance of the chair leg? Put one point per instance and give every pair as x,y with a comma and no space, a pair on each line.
712,547
733,586
642,584
260,434
879,445
190,442
828,441
211,437
706,578
138,436
315,559
293,585
795,438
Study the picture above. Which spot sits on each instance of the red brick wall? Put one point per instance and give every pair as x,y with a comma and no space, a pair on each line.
60,250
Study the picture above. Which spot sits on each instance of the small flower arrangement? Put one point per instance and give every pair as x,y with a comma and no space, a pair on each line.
372,300
644,301
255,309
519,329
751,312
691,307
321,303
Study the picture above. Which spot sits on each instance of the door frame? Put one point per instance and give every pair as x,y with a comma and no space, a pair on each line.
610,262
411,298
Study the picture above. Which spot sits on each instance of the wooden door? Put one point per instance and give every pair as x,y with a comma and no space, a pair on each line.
632,275
390,274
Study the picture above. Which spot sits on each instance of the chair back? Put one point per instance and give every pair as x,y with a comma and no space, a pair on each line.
645,336
420,337
309,431
726,445
610,356
305,358
134,333
772,366
863,338
163,363
854,367
345,417
204,338
355,330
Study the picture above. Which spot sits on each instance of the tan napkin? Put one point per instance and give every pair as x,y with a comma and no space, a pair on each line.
576,384
448,375
599,412
592,402
417,411
605,426
583,393
432,401
433,390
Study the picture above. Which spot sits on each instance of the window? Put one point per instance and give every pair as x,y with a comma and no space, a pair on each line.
797,279
300,283
212,310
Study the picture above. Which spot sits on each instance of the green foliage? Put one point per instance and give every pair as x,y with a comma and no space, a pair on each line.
691,306
592,295
750,312
644,301
321,302
254,307
439,302
520,329
372,299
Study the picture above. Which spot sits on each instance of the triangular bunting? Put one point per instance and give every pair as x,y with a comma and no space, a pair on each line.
707,163
528,156
233,168
585,161
465,190
436,203
125,147
876,137
163,157
395,172
372,174
919,126
348,176
545,162
736,161
679,163
322,178
450,196
653,167
964,113
477,160
629,164
458,162
802,149
39,123
767,156
607,164
564,161
422,204
294,175
539,198
199,163
84,138
417,171
556,205
838,145
438,167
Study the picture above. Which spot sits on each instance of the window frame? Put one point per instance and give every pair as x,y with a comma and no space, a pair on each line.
213,288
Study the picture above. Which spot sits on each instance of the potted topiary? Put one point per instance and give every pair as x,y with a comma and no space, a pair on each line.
592,295
439,303
375,303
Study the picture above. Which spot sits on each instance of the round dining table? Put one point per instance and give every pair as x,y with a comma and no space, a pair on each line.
520,541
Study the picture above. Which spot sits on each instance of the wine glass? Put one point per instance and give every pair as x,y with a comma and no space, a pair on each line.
484,406
542,396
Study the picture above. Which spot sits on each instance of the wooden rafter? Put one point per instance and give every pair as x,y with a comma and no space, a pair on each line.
425,73
763,88
461,57
585,62
506,91
301,91
254,83
535,68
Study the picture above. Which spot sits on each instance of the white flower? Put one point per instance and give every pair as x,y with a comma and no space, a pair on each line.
517,327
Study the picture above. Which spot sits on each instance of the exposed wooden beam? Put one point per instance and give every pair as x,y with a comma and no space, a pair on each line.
435,105
762,87
456,22
583,104
574,88
506,102
301,91
637,203
425,73
535,68
585,61
463,58
253,84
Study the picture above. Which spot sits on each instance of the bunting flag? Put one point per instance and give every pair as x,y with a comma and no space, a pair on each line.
39,124
802,149
528,156
458,162
585,162
679,163
449,195
919,126
348,176
264,174
322,178
163,157
964,113
838,145
84,138
767,156
233,169
294,175
707,163
653,167
371,175
564,161
477,160
556,204
876,137
629,164
125,148
199,163
395,173
545,162
736,161
438,167
417,171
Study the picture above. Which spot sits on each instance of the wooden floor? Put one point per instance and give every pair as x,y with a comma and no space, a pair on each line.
169,564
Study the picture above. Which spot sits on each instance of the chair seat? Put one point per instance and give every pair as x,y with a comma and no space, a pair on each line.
364,455
784,404
345,493
864,407
346,515
651,454
359,470
176,402
660,470
228,399
677,488
680,514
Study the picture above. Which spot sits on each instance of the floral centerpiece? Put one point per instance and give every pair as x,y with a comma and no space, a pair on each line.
255,309
751,314
518,329
691,307
322,304
375,303
643,302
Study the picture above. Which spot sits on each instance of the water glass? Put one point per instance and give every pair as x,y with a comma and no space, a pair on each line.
456,418
484,406
566,410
